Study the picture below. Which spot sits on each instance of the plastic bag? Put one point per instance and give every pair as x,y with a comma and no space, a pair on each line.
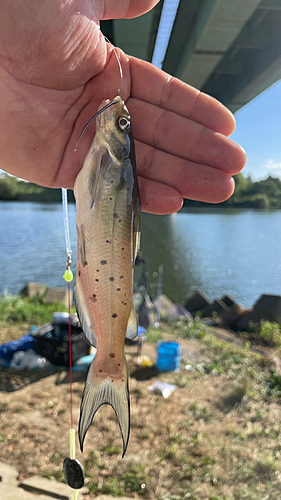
28,359
162,388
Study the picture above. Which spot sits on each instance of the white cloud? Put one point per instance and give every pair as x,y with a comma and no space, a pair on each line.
273,165
273,168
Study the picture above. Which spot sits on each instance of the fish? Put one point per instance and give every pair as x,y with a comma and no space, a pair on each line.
108,226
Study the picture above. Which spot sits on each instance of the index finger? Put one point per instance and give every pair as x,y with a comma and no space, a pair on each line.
154,86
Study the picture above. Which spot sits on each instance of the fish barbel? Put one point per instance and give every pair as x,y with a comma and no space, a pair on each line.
108,226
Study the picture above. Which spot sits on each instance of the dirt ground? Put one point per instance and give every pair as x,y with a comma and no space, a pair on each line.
207,441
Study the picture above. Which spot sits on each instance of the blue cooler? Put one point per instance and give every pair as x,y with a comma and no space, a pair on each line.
168,356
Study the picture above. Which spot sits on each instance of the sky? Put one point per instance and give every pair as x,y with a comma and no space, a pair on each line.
258,124
258,130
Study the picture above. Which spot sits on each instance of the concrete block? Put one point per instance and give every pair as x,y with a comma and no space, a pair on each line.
218,306
231,317
268,307
197,302
32,289
229,301
8,474
57,295
8,492
41,486
243,324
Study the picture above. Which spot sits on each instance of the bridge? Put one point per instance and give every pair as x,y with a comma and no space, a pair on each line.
230,49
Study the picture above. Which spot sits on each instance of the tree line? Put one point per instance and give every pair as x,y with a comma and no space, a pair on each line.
13,189
262,194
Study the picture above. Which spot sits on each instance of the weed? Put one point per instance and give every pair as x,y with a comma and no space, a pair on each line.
56,458
4,407
176,438
91,460
17,309
134,477
181,381
112,450
271,333
153,335
56,474
200,413
188,329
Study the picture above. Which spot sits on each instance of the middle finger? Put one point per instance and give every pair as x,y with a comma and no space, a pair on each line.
184,138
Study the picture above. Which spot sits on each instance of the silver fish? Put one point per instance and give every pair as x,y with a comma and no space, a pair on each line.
108,225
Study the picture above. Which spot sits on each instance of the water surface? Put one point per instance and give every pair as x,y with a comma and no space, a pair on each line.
218,250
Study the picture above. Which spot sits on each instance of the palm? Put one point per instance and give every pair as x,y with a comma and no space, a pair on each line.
54,83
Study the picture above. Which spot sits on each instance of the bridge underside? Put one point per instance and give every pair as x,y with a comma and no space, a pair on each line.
230,49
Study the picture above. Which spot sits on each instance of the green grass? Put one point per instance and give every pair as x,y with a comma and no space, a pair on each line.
187,328
15,309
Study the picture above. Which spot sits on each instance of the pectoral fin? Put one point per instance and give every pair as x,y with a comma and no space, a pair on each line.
137,229
132,326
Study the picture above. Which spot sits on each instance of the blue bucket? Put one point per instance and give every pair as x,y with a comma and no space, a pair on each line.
168,356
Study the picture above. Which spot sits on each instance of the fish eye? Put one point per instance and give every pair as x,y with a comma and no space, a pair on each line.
124,123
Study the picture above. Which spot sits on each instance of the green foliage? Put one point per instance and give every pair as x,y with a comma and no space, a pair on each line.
264,194
153,334
134,477
271,333
13,189
188,329
17,309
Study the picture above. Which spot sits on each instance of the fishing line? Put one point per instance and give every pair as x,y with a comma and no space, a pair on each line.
90,121
110,103
118,61
73,470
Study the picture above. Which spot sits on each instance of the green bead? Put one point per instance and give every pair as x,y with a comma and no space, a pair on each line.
68,275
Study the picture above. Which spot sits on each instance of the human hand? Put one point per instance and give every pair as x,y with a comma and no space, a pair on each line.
58,68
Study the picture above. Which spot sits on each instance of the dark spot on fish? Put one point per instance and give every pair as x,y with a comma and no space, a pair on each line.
110,199
111,278
79,273
121,277
114,315
123,248
122,380
125,303
98,270
100,371
85,263
97,280
107,241
118,364
103,262
118,289
93,298
119,220
111,182
112,355
112,380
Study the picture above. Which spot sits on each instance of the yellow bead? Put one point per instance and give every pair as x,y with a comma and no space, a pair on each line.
68,275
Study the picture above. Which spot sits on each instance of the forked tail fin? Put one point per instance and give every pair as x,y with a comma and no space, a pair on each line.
99,391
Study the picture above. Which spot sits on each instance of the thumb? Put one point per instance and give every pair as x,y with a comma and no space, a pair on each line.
112,9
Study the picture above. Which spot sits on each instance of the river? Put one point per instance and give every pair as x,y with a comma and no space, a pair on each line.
218,250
